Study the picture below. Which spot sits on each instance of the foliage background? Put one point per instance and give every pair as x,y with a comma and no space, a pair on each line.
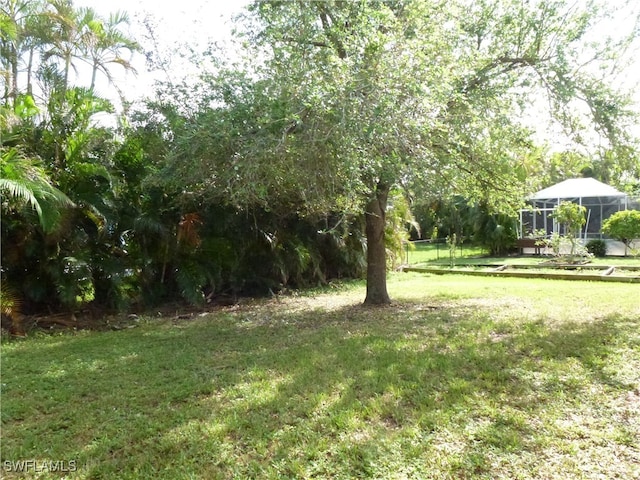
204,188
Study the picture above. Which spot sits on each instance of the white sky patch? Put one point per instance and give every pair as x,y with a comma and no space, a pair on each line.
197,23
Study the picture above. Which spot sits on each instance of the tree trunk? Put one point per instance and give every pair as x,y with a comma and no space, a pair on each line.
13,93
93,76
29,72
376,252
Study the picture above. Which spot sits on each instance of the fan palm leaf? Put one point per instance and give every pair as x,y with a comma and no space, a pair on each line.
23,181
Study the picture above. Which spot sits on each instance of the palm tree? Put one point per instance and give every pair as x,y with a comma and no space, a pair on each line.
8,51
104,44
24,182
18,26
63,36
83,35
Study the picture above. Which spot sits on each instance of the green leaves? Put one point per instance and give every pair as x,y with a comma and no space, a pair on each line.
25,107
26,183
571,215
331,100
623,226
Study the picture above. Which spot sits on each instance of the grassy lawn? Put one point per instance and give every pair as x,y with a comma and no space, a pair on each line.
461,378
438,254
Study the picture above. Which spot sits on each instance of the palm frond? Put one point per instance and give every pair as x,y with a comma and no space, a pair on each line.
11,308
191,278
20,192
147,224
25,181
10,303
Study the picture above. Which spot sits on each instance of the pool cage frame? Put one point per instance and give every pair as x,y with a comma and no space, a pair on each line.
600,200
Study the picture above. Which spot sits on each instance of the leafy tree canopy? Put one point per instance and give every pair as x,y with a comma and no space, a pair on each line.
623,226
345,100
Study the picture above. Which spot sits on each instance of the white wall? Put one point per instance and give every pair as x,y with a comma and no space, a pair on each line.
614,247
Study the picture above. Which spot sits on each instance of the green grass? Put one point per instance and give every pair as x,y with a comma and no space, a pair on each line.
460,378
438,254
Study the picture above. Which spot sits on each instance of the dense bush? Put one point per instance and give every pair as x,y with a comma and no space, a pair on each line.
623,226
126,240
597,248
497,232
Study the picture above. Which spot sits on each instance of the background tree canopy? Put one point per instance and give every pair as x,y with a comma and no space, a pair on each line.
343,101
281,164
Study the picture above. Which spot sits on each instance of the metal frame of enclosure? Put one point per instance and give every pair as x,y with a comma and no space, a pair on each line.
600,200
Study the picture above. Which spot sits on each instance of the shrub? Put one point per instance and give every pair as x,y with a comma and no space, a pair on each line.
597,247
572,216
623,226
495,232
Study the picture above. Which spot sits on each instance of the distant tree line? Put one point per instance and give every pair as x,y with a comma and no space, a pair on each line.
360,123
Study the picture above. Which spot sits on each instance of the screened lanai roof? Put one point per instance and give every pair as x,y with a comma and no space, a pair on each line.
600,200
577,188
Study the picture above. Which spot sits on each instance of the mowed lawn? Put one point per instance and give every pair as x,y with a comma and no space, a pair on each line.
430,254
461,378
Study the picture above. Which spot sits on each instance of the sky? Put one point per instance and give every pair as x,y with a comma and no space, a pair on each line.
199,22
194,22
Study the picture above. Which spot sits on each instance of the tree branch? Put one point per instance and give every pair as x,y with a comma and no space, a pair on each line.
325,18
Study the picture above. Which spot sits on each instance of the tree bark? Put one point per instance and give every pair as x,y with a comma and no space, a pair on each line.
376,251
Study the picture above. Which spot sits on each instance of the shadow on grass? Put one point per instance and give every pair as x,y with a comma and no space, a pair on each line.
344,393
